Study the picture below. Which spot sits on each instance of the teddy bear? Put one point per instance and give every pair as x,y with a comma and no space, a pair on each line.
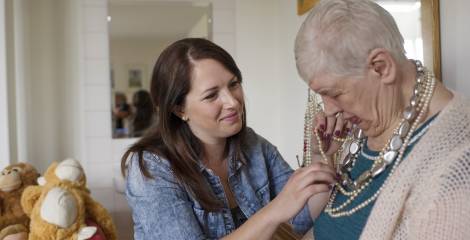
13,180
61,207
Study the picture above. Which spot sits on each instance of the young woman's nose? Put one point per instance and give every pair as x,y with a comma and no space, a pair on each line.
229,99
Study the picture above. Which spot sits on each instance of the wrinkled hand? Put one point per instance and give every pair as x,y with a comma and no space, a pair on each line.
304,183
327,127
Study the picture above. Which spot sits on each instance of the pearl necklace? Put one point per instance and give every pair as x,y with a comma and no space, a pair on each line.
391,154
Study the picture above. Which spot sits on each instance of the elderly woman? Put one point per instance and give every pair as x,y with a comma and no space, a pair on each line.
405,173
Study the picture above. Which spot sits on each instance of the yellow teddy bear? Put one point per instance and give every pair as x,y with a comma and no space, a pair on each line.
61,206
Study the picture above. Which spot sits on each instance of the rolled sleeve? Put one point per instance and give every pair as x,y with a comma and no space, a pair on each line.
279,174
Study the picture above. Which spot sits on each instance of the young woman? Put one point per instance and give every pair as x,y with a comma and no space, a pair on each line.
201,173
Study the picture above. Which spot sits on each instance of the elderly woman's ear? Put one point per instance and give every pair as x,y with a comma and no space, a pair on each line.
382,65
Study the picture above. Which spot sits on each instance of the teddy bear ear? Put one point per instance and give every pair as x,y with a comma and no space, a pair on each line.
69,169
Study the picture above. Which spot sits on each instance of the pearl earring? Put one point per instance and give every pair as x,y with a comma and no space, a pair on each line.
185,118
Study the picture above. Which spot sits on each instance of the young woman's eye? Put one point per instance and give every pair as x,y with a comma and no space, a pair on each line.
211,96
234,83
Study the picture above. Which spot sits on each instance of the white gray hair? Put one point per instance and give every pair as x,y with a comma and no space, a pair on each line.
338,35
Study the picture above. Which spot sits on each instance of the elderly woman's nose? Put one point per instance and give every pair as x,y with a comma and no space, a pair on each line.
330,108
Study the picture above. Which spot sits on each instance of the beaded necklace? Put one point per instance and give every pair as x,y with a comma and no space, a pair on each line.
390,156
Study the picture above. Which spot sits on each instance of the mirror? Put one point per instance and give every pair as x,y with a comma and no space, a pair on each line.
138,32
418,21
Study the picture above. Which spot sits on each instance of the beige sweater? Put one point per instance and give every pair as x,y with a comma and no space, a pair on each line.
428,196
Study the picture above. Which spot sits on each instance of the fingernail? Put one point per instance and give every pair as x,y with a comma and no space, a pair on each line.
338,133
348,130
322,127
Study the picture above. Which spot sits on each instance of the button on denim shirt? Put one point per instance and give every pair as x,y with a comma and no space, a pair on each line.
162,208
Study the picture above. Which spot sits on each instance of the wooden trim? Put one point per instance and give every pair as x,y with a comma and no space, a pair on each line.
436,39
431,35
303,6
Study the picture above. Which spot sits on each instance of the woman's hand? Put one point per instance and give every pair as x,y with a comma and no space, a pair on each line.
303,184
327,128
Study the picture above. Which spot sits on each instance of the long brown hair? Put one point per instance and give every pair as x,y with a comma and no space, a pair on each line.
171,138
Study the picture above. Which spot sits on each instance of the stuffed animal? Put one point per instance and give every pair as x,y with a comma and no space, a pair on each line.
14,232
61,206
13,180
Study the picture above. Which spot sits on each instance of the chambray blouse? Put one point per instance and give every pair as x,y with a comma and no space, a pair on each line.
163,209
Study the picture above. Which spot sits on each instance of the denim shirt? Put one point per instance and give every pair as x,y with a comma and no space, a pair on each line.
163,209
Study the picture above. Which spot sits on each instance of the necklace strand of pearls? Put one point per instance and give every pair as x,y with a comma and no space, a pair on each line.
421,98
423,104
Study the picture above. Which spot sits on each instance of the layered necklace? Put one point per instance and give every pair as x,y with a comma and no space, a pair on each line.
390,156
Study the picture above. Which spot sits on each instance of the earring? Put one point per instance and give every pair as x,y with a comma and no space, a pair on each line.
185,118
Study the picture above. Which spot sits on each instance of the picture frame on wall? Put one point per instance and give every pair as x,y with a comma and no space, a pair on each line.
135,76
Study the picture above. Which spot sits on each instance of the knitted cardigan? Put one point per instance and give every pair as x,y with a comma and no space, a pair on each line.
428,195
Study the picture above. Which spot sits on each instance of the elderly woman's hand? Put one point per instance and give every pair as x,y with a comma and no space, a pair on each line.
329,128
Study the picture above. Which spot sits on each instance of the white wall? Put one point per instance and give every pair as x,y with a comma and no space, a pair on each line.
200,28
42,77
276,97
4,133
258,57
455,45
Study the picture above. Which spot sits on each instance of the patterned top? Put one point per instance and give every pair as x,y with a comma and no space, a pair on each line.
350,227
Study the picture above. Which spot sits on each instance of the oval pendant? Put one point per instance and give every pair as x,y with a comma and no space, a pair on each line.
390,156
414,101
416,90
354,148
378,169
396,142
409,113
404,128
363,178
